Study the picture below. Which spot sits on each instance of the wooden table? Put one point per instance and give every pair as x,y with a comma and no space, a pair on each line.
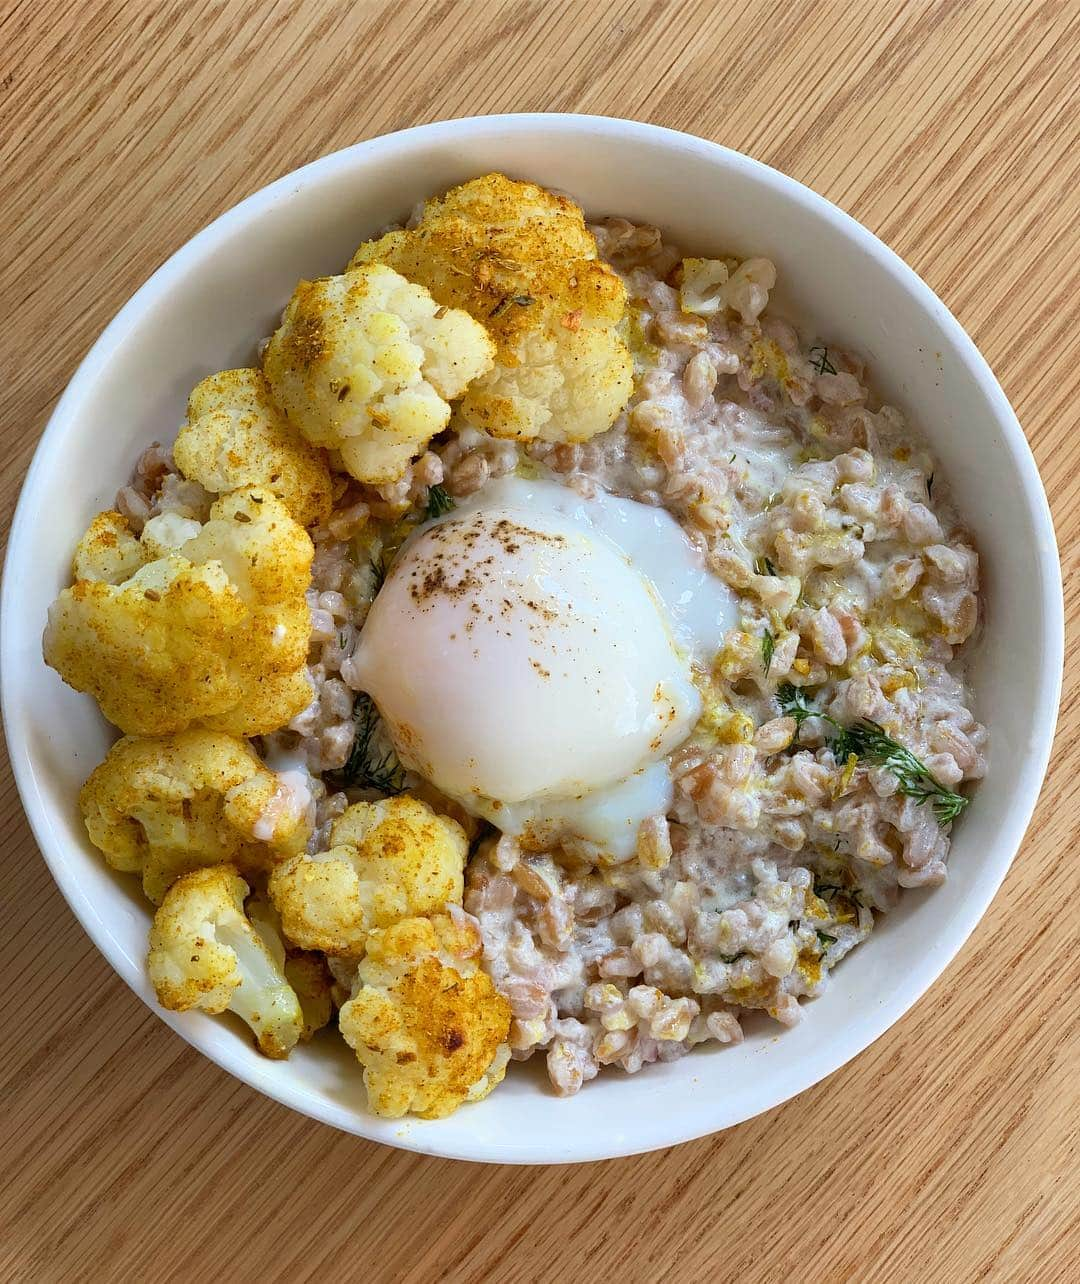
948,1150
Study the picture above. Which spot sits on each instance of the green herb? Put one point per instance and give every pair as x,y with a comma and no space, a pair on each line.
378,572
914,780
522,301
732,459
342,638
768,646
732,958
930,486
873,745
764,567
821,363
369,766
825,940
792,702
438,503
829,891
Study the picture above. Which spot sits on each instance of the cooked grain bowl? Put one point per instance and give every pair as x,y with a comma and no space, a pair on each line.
544,649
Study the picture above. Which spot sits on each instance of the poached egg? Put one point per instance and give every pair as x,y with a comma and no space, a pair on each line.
531,653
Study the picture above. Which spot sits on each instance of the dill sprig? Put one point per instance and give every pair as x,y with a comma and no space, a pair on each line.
793,704
768,646
438,503
763,566
914,780
871,744
821,362
378,574
369,766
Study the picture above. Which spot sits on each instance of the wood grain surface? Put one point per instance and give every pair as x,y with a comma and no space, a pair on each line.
945,1152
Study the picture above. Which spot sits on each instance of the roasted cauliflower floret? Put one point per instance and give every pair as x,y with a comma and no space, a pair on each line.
236,436
205,954
211,630
387,860
366,364
109,551
713,285
426,1024
522,262
163,806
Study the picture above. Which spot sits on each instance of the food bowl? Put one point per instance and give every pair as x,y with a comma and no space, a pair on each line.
205,310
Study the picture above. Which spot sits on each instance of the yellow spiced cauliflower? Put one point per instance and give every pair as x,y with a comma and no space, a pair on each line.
522,262
386,860
709,286
109,551
204,953
235,436
427,1025
366,363
212,629
159,807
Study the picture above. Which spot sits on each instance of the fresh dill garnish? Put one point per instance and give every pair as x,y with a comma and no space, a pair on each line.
930,486
438,503
732,958
829,891
914,780
768,646
522,301
871,744
369,765
825,940
764,567
792,702
378,573
732,459
821,363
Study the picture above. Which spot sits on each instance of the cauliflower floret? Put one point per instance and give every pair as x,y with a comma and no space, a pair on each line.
427,1025
162,807
235,436
205,954
212,630
109,551
387,860
521,261
711,285
367,362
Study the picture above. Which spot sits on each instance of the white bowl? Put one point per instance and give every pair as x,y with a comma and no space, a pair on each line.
204,310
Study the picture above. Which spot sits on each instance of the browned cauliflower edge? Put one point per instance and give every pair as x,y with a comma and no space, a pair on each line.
521,261
427,1025
160,807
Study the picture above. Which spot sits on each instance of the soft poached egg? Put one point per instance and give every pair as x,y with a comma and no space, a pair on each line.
531,654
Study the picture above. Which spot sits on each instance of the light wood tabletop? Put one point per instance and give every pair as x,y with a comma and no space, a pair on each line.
947,1151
